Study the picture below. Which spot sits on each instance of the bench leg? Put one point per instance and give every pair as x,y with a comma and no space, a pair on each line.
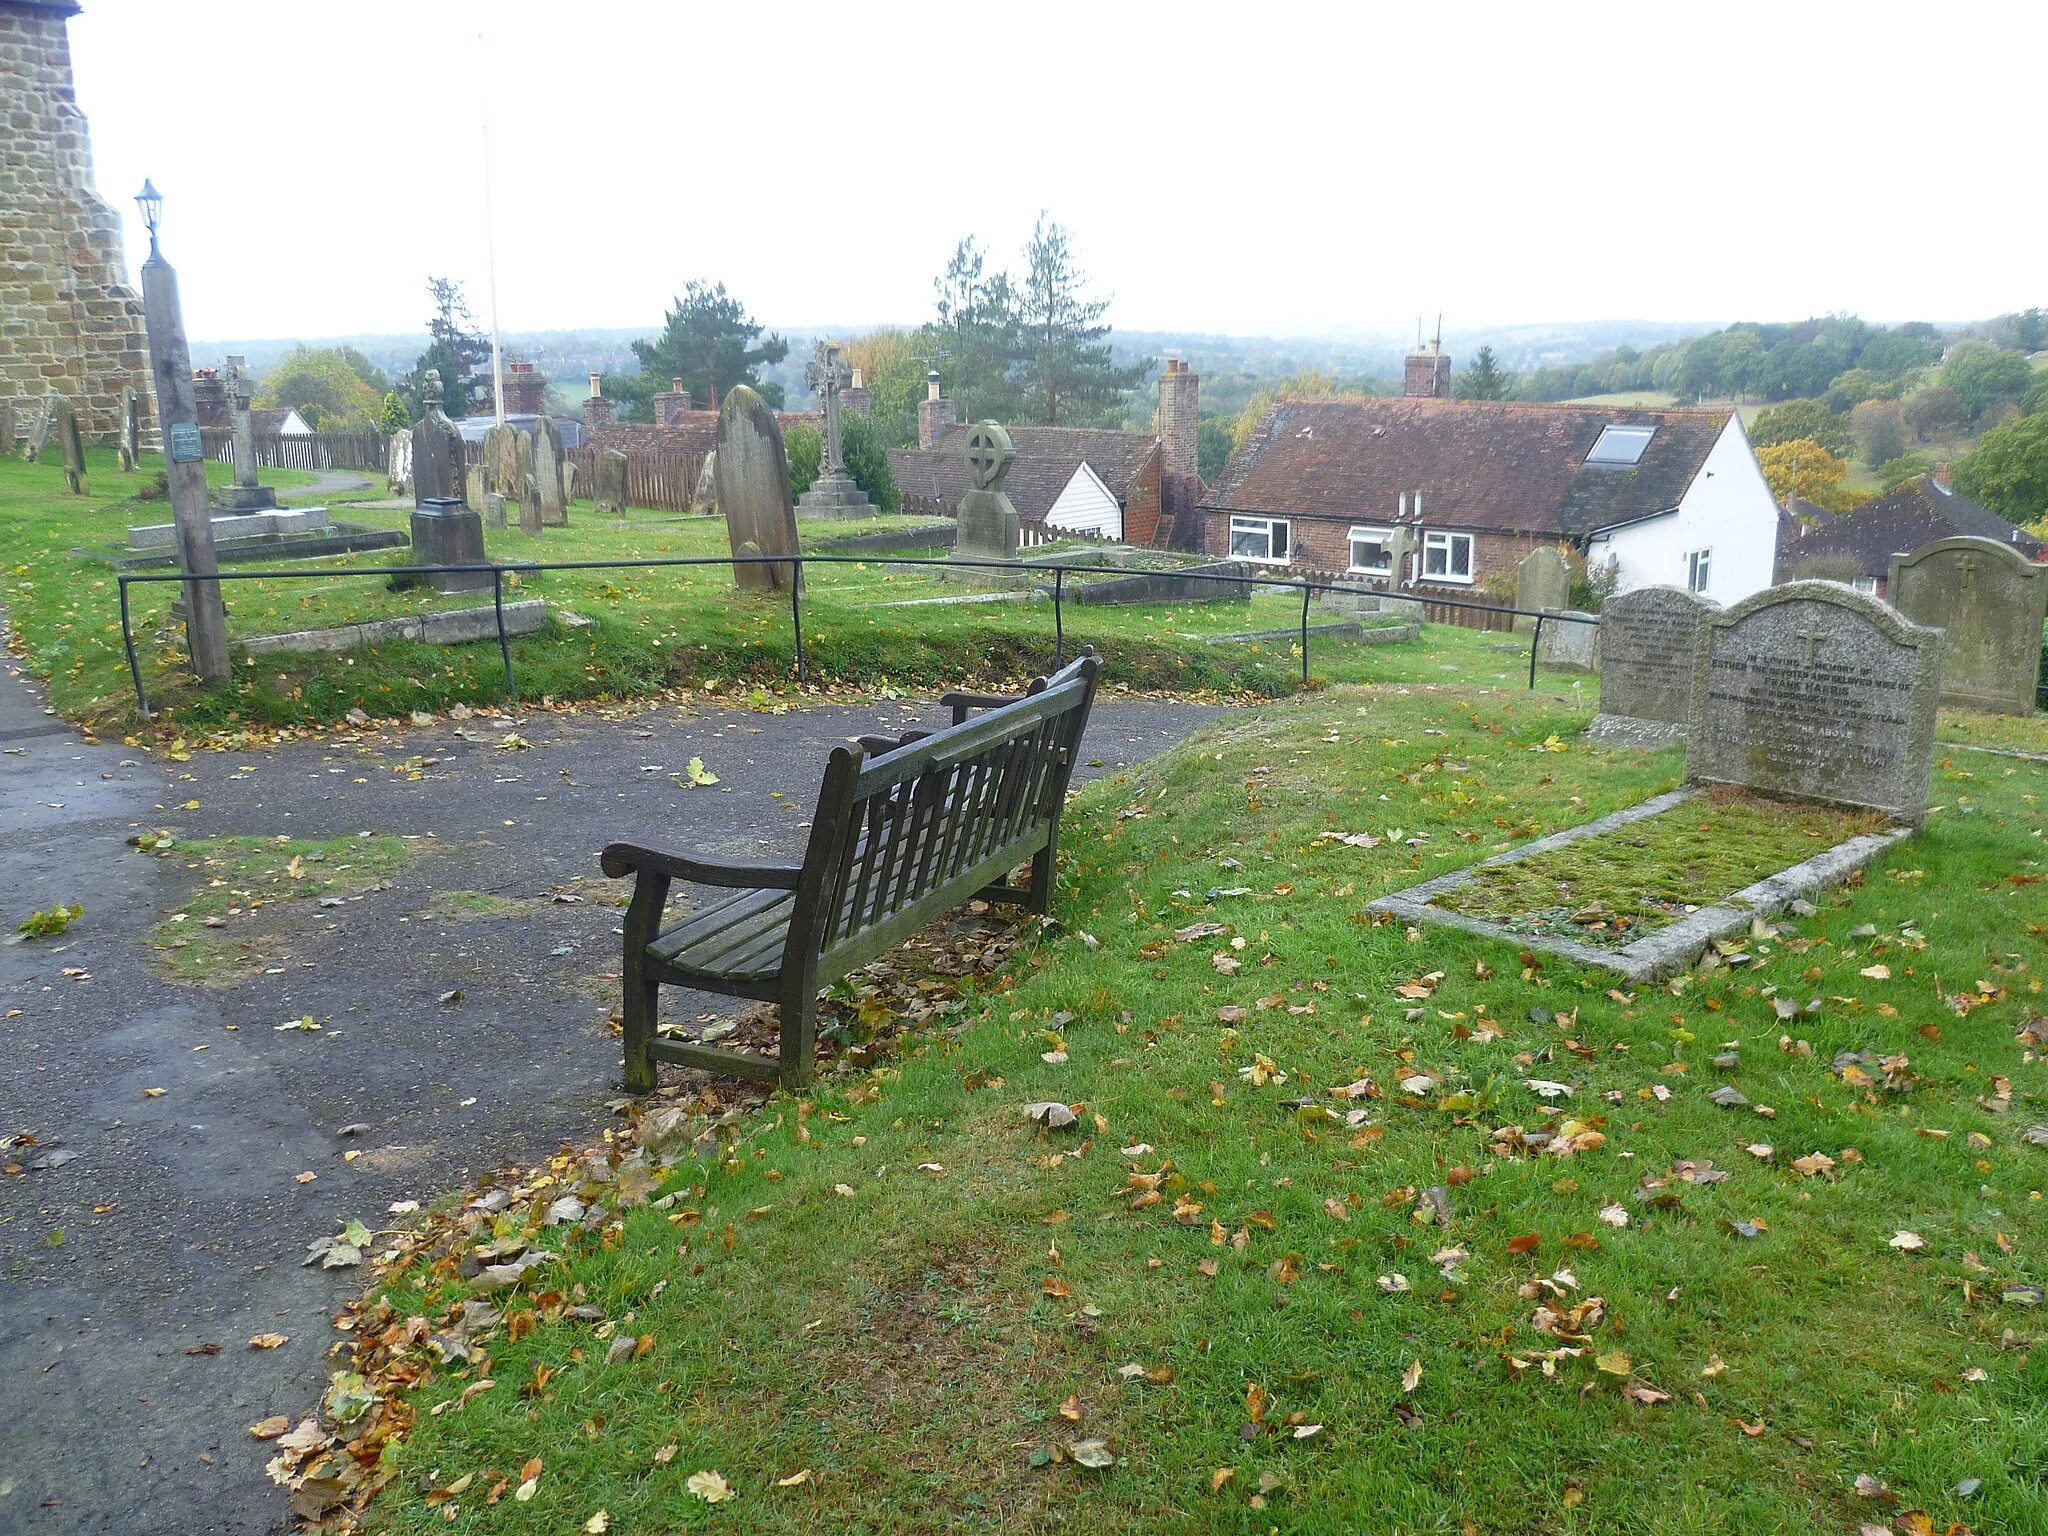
798,1011
642,1005
1044,871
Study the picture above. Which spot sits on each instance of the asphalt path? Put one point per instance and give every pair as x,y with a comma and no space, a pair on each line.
146,1229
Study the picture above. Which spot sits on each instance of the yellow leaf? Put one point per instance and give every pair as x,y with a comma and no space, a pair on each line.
268,1340
1221,1476
1615,1362
795,1479
711,1487
1412,1377
598,1523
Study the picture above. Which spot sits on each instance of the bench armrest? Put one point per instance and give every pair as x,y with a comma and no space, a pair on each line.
960,702
881,746
622,859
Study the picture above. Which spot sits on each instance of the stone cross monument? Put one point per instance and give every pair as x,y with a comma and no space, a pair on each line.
988,521
834,493
245,495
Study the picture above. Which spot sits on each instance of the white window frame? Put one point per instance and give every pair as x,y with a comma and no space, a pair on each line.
1384,537
1448,543
1699,570
1867,584
1266,528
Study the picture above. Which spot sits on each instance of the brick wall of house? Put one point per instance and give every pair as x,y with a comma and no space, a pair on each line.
1322,546
1142,503
69,322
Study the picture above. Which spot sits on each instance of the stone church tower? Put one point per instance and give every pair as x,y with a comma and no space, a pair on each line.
69,322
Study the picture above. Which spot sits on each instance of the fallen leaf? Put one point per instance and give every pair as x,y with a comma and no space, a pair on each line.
1221,1476
1907,1242
598,1523
268,1340
1614,1215
1642,1392
1615,1362
1528,1242
711,1487
270,1428
1054,1116
1093,1453
1411,1377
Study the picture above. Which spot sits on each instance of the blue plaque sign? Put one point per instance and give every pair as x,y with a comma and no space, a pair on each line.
185,445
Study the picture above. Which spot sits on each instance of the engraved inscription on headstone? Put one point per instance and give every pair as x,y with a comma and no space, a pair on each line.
1647,637
1990,600
1543,582
1816,691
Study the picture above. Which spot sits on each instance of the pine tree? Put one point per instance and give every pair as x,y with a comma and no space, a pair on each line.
1484,380
709,341
1073,380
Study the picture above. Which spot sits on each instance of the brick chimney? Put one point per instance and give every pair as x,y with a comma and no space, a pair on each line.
210,396
671,403
934,412
1428,373
855,398
597,411
1180,417
524,390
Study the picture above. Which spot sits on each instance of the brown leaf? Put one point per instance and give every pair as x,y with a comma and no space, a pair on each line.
270,1428
1255,1401
268,1340
1070,1408
1528,1242
1055,1286
1221,1476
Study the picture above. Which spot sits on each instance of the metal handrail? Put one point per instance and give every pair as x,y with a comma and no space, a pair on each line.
1308,587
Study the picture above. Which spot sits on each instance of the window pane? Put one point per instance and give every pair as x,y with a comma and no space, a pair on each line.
1620,445
1250,538
1461,556
1279,541
1435,559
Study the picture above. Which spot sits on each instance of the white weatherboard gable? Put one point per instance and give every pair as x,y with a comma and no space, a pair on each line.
1727,509
1086,505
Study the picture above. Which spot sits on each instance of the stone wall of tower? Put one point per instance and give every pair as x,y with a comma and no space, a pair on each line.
69,322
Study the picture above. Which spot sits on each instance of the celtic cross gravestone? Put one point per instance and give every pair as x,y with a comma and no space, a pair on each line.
834,493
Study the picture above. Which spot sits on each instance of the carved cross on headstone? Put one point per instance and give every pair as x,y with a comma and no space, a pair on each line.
827,376
235,380
1812,637
1966,565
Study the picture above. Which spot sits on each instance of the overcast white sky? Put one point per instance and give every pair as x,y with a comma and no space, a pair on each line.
1275,168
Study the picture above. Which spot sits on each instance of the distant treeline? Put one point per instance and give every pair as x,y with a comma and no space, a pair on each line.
1776,362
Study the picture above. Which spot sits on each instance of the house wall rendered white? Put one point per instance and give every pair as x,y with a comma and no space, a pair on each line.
1086,505
1727,509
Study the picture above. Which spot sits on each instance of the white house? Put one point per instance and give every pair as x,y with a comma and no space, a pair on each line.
1086,505
1720,540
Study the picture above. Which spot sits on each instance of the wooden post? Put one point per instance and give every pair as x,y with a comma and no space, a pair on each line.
170,363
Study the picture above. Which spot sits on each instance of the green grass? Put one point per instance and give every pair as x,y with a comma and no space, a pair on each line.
2012,733
914,1342
1646,399
253,890
1612,888
649,629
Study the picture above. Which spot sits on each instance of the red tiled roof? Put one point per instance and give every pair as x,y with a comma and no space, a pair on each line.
1487,464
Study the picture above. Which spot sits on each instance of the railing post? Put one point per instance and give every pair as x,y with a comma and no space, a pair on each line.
1535,640
1059,628
796,613
134,666
504,644
1307,591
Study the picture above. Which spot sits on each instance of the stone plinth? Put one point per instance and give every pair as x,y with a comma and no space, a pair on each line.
834,494
445,532
1816,691
1647,637
1989,599
245,498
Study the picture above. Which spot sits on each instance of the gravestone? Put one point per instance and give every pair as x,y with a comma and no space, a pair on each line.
1647,636
988,522
398,463
1990,599
834,493
1543,584
522,483
39,425
473,484
705,500
1567,646
245,495
507,461
436,450
494,510
568,484
753,489
608,483
529,507
547,472
445,532
69,444
130,440
1816,691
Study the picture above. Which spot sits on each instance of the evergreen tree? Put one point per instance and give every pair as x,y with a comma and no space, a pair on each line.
1073,381
710,342
456,351
974,342
1484,379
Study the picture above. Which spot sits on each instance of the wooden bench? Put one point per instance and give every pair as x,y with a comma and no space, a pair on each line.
905,828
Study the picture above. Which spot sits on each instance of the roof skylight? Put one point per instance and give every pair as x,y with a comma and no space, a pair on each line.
1621,445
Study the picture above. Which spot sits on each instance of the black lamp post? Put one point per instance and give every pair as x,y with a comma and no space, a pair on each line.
151,202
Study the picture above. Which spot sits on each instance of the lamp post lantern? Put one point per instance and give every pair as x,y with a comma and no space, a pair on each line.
170,364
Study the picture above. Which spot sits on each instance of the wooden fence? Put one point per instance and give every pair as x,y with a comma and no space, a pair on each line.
363,451
664,482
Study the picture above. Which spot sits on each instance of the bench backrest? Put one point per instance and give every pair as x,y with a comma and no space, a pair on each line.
901,837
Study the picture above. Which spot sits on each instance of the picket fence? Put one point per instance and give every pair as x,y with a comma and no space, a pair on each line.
363,451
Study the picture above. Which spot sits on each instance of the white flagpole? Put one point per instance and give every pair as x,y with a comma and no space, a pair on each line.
491,244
